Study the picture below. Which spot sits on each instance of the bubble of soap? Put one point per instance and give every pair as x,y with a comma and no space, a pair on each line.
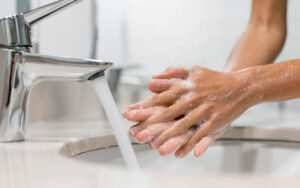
187,84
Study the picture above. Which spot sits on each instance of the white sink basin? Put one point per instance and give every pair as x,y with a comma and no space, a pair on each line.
260,157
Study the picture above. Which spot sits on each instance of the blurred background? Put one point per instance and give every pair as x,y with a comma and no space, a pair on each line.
143,37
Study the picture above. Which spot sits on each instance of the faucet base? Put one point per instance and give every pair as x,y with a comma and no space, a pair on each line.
18,137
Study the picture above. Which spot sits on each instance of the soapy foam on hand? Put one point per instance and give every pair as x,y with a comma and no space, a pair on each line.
187,84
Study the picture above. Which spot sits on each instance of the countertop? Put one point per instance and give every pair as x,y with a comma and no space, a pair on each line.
38,162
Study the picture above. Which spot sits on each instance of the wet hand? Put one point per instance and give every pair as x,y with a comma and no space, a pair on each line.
192,111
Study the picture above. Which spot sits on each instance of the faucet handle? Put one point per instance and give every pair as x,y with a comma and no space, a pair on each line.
34,16
15,29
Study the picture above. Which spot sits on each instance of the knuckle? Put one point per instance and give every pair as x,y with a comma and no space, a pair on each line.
164,137
209,106
217,117
167,115
168,134
155,99
177,129
195,98
206,110
154,119
186,122
162,115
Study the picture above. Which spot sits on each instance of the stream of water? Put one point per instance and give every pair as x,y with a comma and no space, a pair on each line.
115,120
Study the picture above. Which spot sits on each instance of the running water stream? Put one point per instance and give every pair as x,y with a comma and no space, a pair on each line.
115,120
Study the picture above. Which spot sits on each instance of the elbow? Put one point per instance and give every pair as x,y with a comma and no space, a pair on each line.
275,32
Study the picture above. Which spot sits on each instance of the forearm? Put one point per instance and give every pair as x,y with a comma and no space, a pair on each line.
264,37
272,83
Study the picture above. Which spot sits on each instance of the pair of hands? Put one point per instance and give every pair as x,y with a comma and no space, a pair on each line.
190,111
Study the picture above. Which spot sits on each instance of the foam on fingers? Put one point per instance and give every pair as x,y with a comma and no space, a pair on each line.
134,130
152,131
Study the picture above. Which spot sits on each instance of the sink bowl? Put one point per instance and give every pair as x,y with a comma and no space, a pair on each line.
225,156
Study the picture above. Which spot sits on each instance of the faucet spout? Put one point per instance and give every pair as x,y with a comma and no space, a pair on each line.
38,67
20,71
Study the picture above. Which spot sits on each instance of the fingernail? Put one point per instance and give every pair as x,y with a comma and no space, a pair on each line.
144,136
139,141
131,115
124,112
127,109
179,154
196,153
134,130
155,143
133,112
149,144
163,150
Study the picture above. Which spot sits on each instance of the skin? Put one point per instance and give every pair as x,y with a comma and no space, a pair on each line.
264,37
197,108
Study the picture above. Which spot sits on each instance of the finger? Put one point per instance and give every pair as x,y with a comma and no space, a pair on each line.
199,134
204,143
146,135
134,130
167,114
182,125
185,149
174,143
207,141
160,85
164,98
142,114
173,72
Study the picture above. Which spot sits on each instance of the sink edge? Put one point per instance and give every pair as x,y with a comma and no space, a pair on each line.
95,142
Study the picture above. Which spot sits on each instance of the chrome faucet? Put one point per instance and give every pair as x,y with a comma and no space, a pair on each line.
20,70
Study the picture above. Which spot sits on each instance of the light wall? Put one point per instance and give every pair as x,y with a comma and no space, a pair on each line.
7,7
187,32
184,32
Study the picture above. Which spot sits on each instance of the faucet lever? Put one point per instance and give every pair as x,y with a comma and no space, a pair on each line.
15,29
34,16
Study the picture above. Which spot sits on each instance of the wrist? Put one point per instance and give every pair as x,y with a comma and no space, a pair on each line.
252,87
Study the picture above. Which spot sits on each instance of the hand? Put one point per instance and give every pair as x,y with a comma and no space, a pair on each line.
194,110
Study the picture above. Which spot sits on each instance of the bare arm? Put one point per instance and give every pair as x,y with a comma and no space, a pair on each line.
264,37
275,82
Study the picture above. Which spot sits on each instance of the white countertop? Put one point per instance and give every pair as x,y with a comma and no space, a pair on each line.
37,163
